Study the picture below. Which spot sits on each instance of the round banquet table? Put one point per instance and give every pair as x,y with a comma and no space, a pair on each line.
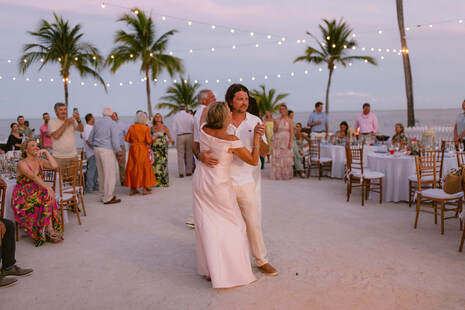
337,154
397,168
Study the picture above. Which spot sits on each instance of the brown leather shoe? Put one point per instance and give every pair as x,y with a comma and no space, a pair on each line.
268,270
112,201
4,282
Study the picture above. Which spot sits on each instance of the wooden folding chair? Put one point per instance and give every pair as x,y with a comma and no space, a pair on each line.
80,185
68,180
50,177
427,180
359,176
426,169
315,161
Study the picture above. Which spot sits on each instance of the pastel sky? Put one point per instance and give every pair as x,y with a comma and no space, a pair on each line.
436,52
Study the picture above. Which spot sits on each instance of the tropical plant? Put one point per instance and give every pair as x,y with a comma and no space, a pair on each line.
267,100
141,43
406,62
337,41
180,93
60,43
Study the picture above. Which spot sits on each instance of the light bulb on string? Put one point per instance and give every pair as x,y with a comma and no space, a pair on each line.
191,51
108,84
164,81
460,21
306,72
430,25
189,23
372,49
328,38
229,80
240,79
175,81
363,48
279,43
303,41
131,55
213,27
319,69
298,41
253,78
14,78
268,36
283,39
232,30
252,34
350,64
257,45
25,60
234,47
334,45
163,18
82,83
27,79
135,12
407,29
379,50
292,73
266,77
40,80
217,81
51,80
382,57
151,54
353,35
278,76
171,53
95,84
206,81
353,47
94,57
130,82
41,60
212,49
380,32
365,61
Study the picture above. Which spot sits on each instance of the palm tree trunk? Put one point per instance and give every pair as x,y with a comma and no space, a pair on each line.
327,90
147,84
65,82
406,62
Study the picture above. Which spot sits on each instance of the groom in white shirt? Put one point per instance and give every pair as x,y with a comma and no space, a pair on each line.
243,125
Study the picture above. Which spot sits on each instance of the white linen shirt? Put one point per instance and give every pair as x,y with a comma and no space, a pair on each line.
85,136
183,123
241,172
197,117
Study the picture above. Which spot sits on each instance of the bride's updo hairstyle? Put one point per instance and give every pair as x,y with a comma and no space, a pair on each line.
217,115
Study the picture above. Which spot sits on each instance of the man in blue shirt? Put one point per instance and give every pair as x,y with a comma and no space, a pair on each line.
459,128
105,139
318,121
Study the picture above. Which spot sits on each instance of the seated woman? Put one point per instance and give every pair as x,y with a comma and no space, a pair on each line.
139,170
298,149
342,133
399,137
15,139
33,201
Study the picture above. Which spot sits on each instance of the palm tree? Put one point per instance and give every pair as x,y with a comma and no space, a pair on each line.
334,48
184,93
406,62
267,100
59,42
141,43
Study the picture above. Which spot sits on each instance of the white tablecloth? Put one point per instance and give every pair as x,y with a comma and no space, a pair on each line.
338,155
397,169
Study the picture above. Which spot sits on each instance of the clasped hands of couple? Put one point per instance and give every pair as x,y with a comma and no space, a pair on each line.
208,159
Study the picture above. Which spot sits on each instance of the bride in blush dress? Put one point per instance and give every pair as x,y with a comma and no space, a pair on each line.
221,239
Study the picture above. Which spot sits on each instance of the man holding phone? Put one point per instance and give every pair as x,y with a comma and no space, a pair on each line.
62,131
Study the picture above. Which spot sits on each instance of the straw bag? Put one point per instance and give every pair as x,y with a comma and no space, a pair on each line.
453,182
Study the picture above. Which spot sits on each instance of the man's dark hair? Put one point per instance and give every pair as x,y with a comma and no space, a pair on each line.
19,116
318,104
289,112
45,113
88,117
366,104
253,107
232,90
58,105
12,124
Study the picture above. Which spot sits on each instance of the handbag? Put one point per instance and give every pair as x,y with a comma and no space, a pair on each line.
453,182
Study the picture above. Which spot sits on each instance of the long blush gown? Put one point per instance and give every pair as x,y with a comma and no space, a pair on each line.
139,171
221,239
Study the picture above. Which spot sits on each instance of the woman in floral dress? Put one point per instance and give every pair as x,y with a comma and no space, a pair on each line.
161,140
33,201
282,159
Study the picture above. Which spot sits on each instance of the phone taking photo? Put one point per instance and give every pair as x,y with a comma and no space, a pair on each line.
75,110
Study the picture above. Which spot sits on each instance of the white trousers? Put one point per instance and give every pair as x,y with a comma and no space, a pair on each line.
107,171
246,196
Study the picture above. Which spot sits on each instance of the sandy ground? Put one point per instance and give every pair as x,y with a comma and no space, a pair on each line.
331,255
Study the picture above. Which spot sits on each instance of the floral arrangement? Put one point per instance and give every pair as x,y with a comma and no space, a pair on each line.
413,147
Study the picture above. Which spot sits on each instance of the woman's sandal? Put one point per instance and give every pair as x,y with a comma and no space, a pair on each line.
53,236
133,192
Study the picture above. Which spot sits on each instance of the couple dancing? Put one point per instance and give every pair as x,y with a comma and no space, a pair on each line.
226,208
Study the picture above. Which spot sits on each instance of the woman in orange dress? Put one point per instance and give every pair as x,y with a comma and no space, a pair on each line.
139,171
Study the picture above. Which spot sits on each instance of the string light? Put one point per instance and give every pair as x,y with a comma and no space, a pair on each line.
163,18
41,60
380,32
268,36
232,30
189,23
252,34
103,5
234,47
213,27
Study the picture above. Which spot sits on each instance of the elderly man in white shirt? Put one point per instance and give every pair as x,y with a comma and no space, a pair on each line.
205,97
243,175
183,125
91,173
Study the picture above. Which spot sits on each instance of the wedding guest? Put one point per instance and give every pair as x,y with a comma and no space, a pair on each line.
15,139
91,173
318,122
459,127
183,126
255,111
33,201
246,179
45,137
62,131
122,131
298,149
139,170
161,140
8,251
269,121
24,129
105,140
366,123
205,97
282,158
221,239
290,113
399,137
343,131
